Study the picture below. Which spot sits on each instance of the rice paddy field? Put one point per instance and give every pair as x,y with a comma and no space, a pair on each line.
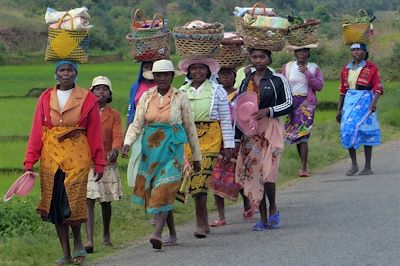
37,242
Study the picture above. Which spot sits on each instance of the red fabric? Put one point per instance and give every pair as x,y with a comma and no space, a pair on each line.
369,77
90,119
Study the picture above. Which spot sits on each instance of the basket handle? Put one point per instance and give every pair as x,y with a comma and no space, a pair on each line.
62,20
161,18
260,5
136,13
362,13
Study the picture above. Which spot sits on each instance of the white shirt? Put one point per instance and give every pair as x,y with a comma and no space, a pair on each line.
63,97
297,80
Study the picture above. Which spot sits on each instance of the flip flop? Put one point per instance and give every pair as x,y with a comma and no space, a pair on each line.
352,171
169,242
79,256
63,261
366,172
274,221
156,242
218,223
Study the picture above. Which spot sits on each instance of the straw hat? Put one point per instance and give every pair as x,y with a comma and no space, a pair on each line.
212,64
101,80
162,65
22,186
246,106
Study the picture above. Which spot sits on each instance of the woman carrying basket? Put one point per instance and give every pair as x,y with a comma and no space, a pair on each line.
262,141
165,120
305,79
210,109
360,89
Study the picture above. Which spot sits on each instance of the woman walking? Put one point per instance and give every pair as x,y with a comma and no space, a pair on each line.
222,182
164,117
360,89
109,188
305,79
209,105
66,137
259,155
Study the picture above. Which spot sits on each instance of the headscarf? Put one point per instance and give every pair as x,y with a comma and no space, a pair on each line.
359,46
62,62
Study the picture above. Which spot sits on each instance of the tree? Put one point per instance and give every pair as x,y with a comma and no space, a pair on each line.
321,12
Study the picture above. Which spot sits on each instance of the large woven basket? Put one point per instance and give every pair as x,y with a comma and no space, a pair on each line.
231,53
147,28
356,33
197,43
303,34
150,48
272,39
67,44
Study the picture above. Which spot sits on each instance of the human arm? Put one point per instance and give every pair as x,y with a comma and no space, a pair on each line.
316,80
339,108
116,138
190,127
284,93
224,116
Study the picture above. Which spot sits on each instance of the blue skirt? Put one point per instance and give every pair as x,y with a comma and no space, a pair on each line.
359,126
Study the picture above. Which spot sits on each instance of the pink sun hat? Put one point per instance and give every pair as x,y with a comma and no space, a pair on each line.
246,105
212,64
22,186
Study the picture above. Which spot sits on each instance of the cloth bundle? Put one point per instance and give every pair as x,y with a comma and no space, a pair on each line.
80,19
266,21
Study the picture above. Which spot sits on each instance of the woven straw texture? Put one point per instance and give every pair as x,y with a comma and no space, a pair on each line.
263,37
146,28
304,34
68,45
197,43
150,48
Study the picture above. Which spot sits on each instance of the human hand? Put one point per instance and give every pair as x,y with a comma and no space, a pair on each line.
196,166
302,68
112,156
228,152
261,114
99,176
125,150
372,108
339,117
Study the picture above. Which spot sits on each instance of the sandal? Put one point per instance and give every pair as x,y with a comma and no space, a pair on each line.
248,215
169,242
259,226
79,257
63,261
156,242
218,223
274,221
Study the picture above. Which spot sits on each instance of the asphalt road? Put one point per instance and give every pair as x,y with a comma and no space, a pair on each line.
327,219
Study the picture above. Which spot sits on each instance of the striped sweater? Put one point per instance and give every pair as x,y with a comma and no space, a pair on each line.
219,111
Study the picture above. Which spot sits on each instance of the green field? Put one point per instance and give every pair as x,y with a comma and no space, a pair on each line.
37,242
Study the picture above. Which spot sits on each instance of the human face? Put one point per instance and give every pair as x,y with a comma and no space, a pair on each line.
259,59
163,79
102,92
357,54
198,72
66,75
302,55
226,77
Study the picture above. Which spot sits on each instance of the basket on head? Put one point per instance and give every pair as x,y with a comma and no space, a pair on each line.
146,28
231,52
67,44
303,34
357,29
238,20
198,42
150,48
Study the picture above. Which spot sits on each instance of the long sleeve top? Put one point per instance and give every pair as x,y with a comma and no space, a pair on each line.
180,113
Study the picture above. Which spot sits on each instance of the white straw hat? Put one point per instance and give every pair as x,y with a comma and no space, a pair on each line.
162,65
101,80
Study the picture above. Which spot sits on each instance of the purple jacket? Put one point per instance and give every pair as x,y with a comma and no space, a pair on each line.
315,83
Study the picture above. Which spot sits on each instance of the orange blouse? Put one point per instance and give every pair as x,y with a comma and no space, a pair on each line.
111,129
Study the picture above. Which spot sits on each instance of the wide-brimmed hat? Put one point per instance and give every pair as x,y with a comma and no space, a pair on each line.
292,48
246,105
212,64
162,65
22,186
101,80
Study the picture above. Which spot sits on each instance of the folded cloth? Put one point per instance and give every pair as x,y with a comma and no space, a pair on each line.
264,21
198,24
81,18
241,11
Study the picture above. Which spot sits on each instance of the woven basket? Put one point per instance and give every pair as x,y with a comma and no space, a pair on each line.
239,20
303,34
146,28
263,37
356,33
197,43
231,53
67,44
150,48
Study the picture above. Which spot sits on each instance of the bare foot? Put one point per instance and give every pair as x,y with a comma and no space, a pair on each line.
366,172
352,171
200,233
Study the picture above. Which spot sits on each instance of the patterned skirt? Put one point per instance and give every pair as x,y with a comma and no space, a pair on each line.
210,139
109,187
359,126
299,123
160,170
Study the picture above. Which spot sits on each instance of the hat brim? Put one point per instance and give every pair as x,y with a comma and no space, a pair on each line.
292,48
22,186
212,64
149,74
246,105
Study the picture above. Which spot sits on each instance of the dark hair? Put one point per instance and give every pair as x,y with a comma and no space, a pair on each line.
231,70
366,56
267,52
190,76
